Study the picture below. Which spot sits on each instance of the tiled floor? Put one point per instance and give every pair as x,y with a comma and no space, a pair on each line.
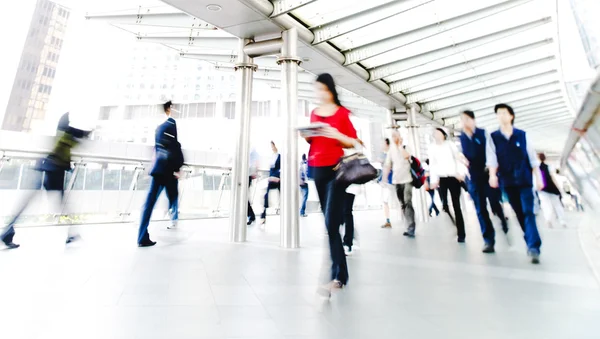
194,284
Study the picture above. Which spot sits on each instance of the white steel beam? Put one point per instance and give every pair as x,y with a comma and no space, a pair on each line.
191,41
549,89
425,78
147,17
362,19
491,115
492,91
479,80
281,7
360,53
395,67
553,98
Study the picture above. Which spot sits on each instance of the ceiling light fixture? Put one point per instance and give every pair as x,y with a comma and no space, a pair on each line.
214,8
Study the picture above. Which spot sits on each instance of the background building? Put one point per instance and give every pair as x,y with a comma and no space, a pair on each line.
37,68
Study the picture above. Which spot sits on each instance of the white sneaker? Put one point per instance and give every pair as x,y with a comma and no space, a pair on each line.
173,225
347,250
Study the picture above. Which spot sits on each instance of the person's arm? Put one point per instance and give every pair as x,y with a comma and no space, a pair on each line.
535,163
434,177
387,167
491,160
346,135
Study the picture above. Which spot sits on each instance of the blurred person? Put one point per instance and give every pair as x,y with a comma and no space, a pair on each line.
326,150
387,189
398,160
54,167
168,159
569,192
447,172
513,163
350,195
473,141
274,180
550,195
304,184
432,206
253,171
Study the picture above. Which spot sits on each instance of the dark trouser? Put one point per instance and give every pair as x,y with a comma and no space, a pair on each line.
251,215
272,185
478,189
453,185
521,200
433,207
348,219
404,193
494,197
53,181
330,196
304,189
156,186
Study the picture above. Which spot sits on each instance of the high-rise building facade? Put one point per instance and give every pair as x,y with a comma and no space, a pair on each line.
33,81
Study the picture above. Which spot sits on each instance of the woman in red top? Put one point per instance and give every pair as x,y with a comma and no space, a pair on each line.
325,153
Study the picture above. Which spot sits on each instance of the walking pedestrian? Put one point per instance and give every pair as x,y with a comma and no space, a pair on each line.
550,195
304,184
168,159
512,162
274,180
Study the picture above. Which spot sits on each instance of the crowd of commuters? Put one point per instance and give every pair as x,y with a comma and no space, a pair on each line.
488,165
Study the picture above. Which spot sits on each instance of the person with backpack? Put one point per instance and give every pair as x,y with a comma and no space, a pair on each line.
399,161
550,195
447,172
168,160
473,141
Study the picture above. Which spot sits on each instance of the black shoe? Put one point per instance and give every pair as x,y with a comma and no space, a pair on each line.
535,257
148,243
250,222
461,240
408,234
488,249
73,238
11,245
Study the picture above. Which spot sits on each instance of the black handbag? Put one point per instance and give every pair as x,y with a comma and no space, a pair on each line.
355,169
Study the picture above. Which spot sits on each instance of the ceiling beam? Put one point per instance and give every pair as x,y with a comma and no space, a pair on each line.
351,23
147,17
191,41
491,92
480,80
440,73
361,53
492,115
281,7
398,66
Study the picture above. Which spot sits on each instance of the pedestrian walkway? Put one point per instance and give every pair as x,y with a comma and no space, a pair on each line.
195,284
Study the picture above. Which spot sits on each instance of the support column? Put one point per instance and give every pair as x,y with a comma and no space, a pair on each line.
390,118
419,199
239,179
290,202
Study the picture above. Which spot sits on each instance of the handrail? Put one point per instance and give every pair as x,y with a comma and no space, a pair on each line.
586,117
34,154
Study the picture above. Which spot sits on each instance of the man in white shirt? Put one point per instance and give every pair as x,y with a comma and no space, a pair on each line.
398,160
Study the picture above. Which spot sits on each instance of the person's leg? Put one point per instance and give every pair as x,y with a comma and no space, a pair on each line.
547,208
558,209
494,197
172,188
477,190
7,236
348,220
304,199
532,236
443,192
386,199
455,188
156,186
432,206
407,208
514,199
251,215
270,186
333,221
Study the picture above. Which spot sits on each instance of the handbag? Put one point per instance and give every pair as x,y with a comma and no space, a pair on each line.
355,169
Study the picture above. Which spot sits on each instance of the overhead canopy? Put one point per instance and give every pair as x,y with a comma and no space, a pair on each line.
436,54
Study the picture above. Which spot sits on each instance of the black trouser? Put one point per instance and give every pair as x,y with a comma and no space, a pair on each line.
157,185
251,215
453,185
330,196
53,181
272,185
348,219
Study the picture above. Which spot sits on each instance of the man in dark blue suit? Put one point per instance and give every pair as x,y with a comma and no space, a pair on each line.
167,163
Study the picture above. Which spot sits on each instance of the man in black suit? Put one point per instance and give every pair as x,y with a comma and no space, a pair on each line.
167,163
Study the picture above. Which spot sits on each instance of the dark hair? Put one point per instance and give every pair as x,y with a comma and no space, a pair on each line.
167,105
542,157
327,80
508,108
469,113
387,141
443,132
304,157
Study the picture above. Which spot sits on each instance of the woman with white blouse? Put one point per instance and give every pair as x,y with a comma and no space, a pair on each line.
447,171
